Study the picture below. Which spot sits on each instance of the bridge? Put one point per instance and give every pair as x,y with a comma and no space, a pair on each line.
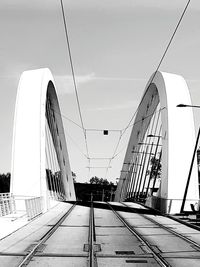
154,220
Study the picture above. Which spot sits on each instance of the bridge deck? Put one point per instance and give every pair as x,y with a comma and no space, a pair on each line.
101,235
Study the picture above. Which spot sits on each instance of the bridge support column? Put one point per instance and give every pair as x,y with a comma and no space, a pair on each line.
29,160
178,141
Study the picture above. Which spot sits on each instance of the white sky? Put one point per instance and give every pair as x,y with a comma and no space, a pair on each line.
116,45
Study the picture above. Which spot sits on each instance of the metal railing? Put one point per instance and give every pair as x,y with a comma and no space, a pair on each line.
7,204
33,207
166,205
28,206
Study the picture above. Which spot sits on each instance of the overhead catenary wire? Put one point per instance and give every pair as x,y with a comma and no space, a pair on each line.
76,145
73,75
101,130
86,129
122,132
119,151
172,37
161,60
152,78
65,117
91,158
76,91
80,150
144,118
115,154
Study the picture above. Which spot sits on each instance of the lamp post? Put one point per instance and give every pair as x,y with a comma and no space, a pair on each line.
193,157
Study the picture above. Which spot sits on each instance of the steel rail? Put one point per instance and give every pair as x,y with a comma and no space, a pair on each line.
92,238
191,242
160,260
43,239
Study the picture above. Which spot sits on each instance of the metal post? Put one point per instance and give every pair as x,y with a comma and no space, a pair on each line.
139,175
126,181
133,176
156,174
136,172
121,192
130,181
147,166
111,194
144,161
102,196
190,172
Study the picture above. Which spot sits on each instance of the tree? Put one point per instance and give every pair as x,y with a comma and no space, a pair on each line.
155,168
5,182
95,180
100,181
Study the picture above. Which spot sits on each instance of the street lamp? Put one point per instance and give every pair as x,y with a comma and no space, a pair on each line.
153,135
193,157
187,106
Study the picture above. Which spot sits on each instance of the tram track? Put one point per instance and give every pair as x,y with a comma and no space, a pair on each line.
43,239
92,239
191,242
92,260
159,259
100,234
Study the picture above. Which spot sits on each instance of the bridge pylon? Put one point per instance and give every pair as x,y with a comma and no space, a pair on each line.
40,163
160,149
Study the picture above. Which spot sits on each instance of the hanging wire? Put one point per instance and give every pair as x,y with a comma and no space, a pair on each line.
76,145
48,159
115,154
52,140
73,75
54,151
65,117
118,153
162,58
120,137
122,132
158,66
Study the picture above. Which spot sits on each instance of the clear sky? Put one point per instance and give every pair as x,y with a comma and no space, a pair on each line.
116,45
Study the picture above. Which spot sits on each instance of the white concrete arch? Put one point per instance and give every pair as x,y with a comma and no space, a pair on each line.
28,174
178,140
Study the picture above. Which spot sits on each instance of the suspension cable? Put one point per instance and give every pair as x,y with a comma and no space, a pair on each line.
162,58
73,75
